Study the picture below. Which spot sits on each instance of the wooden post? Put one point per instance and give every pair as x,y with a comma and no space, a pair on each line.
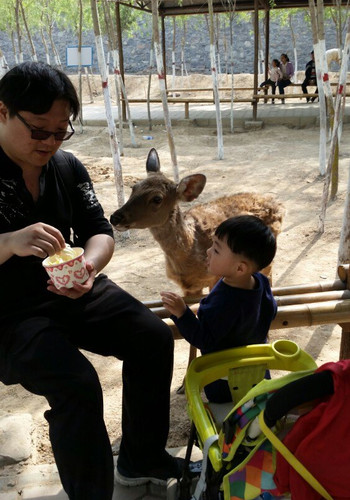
344,351
187,110
256,49
267,44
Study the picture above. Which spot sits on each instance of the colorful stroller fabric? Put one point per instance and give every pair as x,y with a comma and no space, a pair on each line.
252,462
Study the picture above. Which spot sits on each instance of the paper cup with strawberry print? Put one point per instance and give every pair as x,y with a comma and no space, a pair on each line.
66,273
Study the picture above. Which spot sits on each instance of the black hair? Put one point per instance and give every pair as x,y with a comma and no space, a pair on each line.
285,55
34,86
276,61
249,236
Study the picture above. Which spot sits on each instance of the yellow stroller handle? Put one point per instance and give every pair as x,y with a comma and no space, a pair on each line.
282,354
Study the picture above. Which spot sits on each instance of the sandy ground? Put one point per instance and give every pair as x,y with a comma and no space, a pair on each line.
276,160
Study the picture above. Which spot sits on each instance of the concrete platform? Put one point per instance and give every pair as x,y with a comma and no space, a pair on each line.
42,482
295,113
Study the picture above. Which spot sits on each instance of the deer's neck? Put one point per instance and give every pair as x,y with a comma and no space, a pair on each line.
177,234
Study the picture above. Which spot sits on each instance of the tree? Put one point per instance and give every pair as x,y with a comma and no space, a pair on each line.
108,106
339,15
214,75
162,89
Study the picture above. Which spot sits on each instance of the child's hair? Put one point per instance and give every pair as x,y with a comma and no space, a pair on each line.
285,55
276,61
249,236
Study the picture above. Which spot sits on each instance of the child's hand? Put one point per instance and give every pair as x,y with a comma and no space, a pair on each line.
173,303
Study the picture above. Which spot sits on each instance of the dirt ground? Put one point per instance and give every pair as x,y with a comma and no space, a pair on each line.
275,160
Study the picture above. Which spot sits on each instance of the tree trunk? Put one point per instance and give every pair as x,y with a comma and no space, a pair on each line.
183,63
344,242
231,68
319,63
112,34
31,43
329,103
46,48
294,46
215,82
13,43
53,46
149,86
344,249
80,80
19,32
89,84
173,56
161,80
3,64
108,106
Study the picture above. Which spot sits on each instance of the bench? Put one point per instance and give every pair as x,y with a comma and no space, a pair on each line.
298,305
190,100
289,95
258,97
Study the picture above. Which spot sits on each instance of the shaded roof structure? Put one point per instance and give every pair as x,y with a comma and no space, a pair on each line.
188,7
191,7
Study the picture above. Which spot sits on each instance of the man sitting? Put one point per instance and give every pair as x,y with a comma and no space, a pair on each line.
310,77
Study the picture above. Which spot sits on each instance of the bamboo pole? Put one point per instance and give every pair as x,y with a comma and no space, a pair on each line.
285,300
311,287
339,285
293,316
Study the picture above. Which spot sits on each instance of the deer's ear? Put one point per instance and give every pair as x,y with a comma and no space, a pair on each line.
190,187
152,162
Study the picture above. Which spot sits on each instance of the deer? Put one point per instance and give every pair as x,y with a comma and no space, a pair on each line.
185,236
333,55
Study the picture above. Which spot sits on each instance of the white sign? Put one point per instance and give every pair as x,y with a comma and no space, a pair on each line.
72,55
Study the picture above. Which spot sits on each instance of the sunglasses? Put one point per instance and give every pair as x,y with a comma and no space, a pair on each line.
42,135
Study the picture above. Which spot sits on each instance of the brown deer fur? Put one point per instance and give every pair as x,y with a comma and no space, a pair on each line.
185,236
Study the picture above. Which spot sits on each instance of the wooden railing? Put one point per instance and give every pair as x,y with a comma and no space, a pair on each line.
299,305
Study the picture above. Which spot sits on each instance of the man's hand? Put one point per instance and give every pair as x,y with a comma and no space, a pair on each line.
79,289
38,239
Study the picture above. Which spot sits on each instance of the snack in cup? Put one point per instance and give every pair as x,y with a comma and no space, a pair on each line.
67,267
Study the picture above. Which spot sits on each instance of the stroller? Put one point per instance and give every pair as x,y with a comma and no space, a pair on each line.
240,440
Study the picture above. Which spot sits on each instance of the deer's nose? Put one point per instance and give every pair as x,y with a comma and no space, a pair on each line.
116,218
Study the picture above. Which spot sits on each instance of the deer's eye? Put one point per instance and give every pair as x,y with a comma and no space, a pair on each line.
157,200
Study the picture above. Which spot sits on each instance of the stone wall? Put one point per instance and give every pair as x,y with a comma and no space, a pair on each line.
197,57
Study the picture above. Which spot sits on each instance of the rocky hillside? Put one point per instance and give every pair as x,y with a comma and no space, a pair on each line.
197,58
